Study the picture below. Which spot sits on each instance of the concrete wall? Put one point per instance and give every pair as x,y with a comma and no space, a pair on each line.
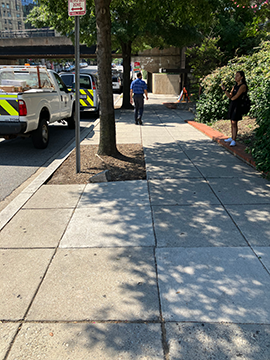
153,59
36,41
165,84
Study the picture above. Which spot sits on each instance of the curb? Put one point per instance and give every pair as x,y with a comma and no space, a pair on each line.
238,150
16,204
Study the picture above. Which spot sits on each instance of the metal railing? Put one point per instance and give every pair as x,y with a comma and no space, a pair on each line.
27,33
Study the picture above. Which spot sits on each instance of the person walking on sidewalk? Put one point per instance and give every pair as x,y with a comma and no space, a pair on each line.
235,96
138,88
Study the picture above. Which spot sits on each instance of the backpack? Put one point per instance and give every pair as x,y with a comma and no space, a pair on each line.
245,104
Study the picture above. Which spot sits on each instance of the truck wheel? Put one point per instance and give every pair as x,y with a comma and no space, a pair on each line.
40,137
71,120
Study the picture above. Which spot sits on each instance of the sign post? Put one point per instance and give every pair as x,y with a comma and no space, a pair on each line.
77,8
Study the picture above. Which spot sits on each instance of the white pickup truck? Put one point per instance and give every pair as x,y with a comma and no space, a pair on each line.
32,97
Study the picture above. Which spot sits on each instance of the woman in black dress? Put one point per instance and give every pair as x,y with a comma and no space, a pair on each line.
236,95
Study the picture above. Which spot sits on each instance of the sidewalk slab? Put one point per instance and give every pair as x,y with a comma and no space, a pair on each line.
202,145
110,227
93,341
119,193
98,284
152,136
245,190
195,226
181,192
218,162
128,133
55,197
200,341
253,221
35,228
22,271
229,168
213,285
263,254
12,208
7,332
163,152
161,162
168,170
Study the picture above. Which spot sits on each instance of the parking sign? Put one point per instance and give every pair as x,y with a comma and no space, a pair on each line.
76,7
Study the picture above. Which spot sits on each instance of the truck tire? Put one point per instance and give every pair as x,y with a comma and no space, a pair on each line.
71,120
40,137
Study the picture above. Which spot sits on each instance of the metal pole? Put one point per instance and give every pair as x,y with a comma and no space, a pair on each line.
77,93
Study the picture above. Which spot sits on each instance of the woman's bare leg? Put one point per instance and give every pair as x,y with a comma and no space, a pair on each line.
234,127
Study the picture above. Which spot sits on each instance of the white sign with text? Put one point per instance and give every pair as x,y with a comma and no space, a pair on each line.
76,7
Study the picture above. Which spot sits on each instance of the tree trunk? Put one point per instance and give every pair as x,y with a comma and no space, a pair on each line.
107,142
126,53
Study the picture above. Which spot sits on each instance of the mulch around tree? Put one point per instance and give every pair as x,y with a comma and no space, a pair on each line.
128,165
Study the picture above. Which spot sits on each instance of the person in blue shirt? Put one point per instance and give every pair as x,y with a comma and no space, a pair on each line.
138,88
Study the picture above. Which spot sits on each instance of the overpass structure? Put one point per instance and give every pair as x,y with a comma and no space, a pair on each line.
39,43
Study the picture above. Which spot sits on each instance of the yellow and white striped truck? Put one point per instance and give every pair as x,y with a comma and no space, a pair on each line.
32,97
89,99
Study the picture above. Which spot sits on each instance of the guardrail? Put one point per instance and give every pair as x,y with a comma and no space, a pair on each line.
27,33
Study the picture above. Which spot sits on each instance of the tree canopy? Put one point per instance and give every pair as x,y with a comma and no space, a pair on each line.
135,25
236,28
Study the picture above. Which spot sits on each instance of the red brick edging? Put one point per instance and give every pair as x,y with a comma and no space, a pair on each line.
238,150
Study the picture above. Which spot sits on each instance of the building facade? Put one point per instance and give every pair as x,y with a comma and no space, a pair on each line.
13,13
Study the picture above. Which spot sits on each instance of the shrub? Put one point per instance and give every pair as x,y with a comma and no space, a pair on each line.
261,148
213,104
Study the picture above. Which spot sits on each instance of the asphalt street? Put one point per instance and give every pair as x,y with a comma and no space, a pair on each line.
19,159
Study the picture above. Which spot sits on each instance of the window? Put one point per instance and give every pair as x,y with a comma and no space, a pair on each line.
3,5
45,80
60,82
18,7
9,14
68,80
18,15
7,6
85,82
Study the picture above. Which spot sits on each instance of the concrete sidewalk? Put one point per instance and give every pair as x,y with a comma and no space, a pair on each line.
172,267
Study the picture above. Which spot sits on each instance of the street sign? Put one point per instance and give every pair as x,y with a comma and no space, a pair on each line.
137,67
76,7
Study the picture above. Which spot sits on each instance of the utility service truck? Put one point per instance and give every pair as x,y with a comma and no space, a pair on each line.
32,97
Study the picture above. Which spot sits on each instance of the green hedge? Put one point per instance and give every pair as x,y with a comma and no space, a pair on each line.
261,148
